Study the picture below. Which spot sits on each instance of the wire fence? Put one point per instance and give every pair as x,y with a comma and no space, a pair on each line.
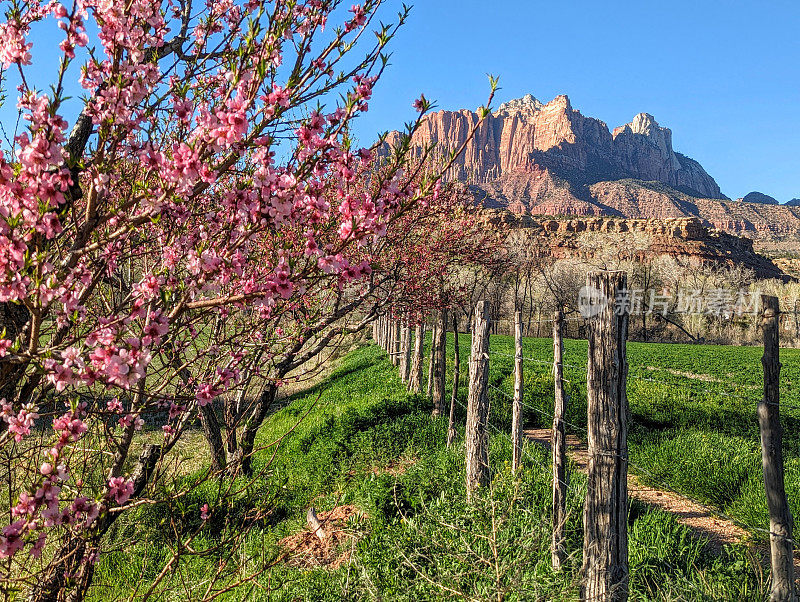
711,510
535,461
742,392
737,392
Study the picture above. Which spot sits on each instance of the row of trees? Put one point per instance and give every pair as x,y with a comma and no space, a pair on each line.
674,298
205,230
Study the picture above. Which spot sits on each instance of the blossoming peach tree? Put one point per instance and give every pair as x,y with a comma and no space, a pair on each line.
204,180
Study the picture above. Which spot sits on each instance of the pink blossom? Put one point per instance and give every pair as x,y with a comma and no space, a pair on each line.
205,394
120,489
13,48
19,423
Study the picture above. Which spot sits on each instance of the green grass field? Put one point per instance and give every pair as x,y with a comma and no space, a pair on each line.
693,412
416,538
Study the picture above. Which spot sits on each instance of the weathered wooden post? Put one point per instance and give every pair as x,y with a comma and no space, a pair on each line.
559,447
605,517
781,523
439,352
385,333
415,379
432,360
402,357
477,434
516,407
315,525
401,347
451,426
405,358
395,346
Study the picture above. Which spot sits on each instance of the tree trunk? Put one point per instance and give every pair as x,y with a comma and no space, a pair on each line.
559,447
395,348
477,434
538,322
451,426
254,421
644,325
233,413
212,431
415,380
781,523
440,365
13,318
516,408
605,546
213,435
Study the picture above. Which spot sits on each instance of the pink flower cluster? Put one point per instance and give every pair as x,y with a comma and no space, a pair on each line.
38,511
120,489
19,423
13,46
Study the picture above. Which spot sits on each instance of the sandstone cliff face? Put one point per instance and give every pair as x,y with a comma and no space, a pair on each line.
525,134
686,238
549,159
635,199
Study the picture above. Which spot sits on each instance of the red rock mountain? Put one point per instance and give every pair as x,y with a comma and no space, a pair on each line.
549,159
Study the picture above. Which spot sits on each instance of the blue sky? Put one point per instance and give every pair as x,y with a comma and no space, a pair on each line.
723,75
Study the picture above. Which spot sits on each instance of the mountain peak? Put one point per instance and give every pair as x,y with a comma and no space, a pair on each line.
644,123
539,145
645,127
526,103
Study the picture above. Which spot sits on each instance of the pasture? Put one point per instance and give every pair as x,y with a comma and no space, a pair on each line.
358,440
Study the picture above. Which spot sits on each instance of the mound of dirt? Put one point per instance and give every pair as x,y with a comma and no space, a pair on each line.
342,529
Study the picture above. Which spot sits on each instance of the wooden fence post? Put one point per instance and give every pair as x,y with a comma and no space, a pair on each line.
559,447
477,434
516,409
432,360
405,358
439,352
401,348
451,426
395,347
415,379
769,421
605,517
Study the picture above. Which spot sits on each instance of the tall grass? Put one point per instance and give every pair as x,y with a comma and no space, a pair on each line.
693,415
417,539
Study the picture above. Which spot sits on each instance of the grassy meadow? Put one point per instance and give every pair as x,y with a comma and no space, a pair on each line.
693,415
357,439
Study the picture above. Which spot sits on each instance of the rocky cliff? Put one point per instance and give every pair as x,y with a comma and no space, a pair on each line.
636,239
548,159
526,135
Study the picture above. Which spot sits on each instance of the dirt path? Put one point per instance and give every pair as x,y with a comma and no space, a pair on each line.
717,530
